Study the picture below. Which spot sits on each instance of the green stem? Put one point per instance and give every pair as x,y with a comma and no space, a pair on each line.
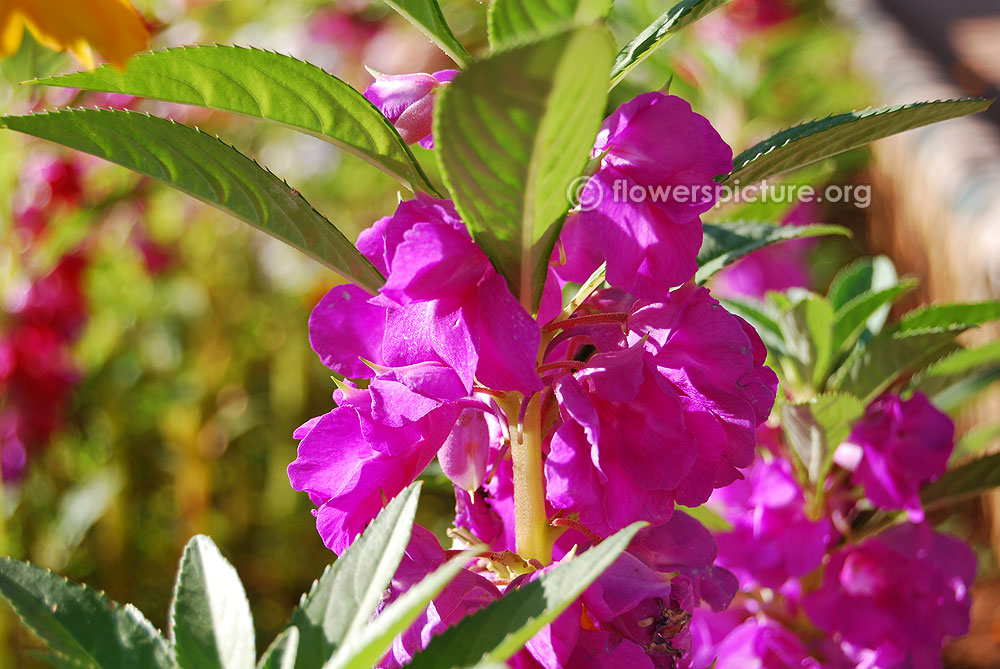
531,525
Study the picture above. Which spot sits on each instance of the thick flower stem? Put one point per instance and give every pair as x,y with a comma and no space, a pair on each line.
531,526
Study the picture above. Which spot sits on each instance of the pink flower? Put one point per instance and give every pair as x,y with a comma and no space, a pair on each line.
349,464
408,101
643,205
896,597
772,539
722,641
636,613
895,448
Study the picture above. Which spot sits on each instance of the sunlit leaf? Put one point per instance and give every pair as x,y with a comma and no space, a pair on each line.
264,85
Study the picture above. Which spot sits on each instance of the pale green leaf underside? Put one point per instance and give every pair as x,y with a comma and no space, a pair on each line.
348,592
810,142
79,624
501,629
208,169
657,33
815,429
512,132
426,15
211,624
512,21
282,651
264,85
725,243
363,649
807,329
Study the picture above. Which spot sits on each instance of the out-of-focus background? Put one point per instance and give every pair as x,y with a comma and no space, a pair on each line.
154,355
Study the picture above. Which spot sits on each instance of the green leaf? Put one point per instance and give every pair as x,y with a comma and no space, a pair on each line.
976,440
814,429
79,624
658,32
864,275
952,380
949,317
363,650
263,85
725,243
813,141
961,483
765,323
921,337
345,596
888,357
426,15
806,322
495,633
282,651
207,169
513,21
210,622
707,516
513,131
864,312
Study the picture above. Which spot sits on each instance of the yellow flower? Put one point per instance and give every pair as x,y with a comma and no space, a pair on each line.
112,27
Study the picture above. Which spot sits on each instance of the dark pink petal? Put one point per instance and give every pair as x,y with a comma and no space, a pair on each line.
508,339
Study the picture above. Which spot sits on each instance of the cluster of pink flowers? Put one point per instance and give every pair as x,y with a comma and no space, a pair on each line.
808,590
647,396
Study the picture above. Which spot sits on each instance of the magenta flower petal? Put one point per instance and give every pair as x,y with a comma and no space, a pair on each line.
642,207
903,444
897,595
345,327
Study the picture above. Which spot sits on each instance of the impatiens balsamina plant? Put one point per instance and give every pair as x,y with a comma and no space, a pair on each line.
539,323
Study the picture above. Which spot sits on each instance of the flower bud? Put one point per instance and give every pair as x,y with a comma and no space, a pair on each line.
408,101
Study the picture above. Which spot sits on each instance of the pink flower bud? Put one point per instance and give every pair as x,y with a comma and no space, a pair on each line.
408,101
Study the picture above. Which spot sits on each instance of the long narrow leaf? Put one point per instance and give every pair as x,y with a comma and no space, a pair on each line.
657,33
79,624
963,482
363,649
208,169
427,16
725,243
810,142
348,592
210,621
263,85
502,628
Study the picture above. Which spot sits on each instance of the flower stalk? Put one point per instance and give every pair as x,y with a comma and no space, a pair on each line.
531,527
